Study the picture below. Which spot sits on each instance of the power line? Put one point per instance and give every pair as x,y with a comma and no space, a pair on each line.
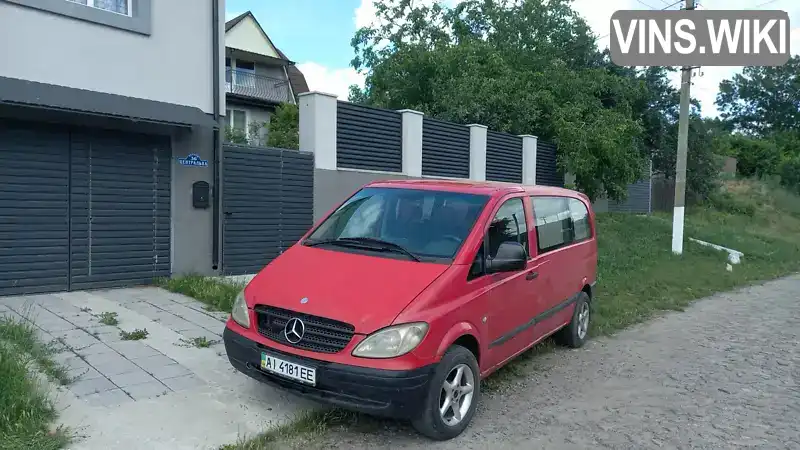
764,4
662,9
645,4
670,6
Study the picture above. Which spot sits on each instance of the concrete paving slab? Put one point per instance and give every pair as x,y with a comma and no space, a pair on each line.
86,374
111,363
170,371
76,339
194,333
138,376
111,398
184,382
134,349
95,349
91,386
149,363
203,389
151,389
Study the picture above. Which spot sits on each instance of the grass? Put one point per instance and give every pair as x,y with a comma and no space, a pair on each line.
216,294
199,342
305,428
639,278
135,335
25,411
109,318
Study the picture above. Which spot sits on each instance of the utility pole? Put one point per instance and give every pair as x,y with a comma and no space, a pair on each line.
680,165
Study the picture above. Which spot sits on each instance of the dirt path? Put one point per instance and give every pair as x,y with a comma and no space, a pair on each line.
724,374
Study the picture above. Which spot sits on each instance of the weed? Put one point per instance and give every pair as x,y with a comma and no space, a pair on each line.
199,342
109,318
216,294
135,335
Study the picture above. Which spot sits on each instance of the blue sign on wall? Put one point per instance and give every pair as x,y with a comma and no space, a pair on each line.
193,159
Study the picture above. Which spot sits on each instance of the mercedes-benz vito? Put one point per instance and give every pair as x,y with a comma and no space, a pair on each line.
401,299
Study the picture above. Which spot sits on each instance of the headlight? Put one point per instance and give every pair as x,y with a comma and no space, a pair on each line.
239,312
392,341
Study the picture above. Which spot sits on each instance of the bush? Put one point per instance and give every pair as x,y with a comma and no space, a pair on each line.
726,202
756,157
790,173
235,136
284,127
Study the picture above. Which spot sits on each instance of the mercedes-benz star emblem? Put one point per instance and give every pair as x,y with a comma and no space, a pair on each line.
294,330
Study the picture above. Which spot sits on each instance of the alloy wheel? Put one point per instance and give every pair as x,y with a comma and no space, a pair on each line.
455,398
583,320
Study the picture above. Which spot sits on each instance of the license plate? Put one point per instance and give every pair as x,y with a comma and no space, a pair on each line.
303,374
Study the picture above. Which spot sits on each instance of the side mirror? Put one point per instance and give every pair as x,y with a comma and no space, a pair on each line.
510,257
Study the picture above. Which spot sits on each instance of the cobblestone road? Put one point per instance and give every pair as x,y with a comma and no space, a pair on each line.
724,374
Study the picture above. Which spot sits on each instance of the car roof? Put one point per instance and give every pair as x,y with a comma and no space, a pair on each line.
491,188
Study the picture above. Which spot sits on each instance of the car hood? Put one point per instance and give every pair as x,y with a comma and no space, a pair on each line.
365,291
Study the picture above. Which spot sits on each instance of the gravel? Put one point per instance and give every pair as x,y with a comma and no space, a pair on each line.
724,374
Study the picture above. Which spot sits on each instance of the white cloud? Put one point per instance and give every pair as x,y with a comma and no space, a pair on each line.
330,80
366,14
598,16
705,87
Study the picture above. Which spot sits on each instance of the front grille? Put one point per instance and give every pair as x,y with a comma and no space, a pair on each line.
321,334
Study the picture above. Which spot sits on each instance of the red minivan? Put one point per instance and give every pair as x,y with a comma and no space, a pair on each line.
407,294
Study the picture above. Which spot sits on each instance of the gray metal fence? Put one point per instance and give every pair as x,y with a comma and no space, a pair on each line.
546,168
368,138
503,157
268,204
639,197
445,149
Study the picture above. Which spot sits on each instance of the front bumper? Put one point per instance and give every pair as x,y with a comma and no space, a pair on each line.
390,393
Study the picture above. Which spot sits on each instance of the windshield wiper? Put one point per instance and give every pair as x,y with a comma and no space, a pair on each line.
384,244
365,242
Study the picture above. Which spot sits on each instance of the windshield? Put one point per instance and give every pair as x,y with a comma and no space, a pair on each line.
427,223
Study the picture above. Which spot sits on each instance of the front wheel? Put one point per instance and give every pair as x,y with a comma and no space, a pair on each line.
452,396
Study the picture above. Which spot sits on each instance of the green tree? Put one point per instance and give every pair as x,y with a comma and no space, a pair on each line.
763,100
235,136
527,66
755,157
284,127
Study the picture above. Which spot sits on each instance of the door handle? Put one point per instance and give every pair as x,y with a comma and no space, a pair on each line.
531,275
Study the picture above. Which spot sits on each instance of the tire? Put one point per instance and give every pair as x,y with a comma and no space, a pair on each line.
431,422
575,334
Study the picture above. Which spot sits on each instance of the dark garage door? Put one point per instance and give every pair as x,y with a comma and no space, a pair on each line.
268,203
34,190
114,188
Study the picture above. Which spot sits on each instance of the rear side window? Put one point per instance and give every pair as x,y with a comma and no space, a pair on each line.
560,221
580,220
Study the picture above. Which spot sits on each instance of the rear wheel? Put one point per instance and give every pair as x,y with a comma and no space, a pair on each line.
452,396
574,335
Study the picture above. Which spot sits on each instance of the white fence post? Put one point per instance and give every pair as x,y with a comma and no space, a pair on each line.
477,151
412,142
529,144
318,127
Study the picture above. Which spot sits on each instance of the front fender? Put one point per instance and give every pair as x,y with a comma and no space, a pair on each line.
456,331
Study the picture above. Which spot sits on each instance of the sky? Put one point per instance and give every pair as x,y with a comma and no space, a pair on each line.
316,35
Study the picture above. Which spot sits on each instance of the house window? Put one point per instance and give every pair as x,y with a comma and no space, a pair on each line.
128,15
236,119
248,66
116,6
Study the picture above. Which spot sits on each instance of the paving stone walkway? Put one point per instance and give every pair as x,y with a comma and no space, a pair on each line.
158,392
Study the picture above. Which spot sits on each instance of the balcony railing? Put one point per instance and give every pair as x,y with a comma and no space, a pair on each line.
249,84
